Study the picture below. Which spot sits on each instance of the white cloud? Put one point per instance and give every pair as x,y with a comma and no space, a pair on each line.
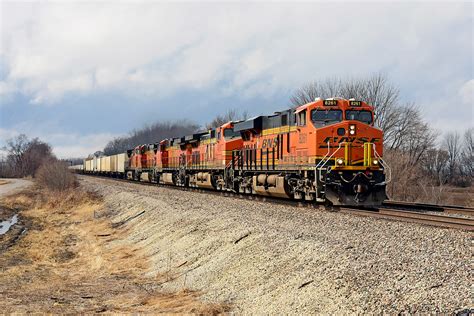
7,134
466,92
73,145
51,49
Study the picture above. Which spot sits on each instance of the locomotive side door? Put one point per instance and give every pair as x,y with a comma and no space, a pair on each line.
299,146
164,156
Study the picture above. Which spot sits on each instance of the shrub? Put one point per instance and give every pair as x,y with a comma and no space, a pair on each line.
55,175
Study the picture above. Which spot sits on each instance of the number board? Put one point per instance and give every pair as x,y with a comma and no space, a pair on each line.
355,103
330,102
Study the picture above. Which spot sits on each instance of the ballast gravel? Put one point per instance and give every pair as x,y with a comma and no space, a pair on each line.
267,258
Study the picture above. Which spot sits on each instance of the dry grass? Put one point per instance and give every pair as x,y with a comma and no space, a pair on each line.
459,196
4,182
55,175
68,262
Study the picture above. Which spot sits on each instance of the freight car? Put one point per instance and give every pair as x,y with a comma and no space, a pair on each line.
324,151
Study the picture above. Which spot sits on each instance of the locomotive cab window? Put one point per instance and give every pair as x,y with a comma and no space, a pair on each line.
229,133
301,118
284,120
359,115
325,117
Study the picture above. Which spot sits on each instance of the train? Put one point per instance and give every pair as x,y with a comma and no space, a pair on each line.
326,151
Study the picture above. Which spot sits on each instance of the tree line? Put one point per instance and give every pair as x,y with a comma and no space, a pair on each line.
24,156
34,158
148,134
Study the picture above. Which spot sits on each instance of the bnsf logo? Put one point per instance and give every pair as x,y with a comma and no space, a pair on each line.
357,140
270,143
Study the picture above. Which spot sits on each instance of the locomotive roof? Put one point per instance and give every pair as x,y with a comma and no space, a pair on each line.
278,119
334,102
193,137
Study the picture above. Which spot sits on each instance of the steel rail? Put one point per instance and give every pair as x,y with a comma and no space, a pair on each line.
459,211
448,209
386,213
417,217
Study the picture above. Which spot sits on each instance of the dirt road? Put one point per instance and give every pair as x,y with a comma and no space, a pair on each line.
12,185
276,259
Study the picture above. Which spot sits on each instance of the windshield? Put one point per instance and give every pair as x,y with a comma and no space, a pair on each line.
359,115
325,117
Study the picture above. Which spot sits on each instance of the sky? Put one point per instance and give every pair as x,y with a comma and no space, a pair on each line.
77,74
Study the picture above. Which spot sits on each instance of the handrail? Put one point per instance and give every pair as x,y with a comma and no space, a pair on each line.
326,158
329,150
384,165
317,165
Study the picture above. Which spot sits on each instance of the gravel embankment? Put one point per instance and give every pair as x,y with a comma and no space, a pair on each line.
277,259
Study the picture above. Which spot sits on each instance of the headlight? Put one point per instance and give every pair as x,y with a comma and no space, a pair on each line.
375,162
352,129
339,162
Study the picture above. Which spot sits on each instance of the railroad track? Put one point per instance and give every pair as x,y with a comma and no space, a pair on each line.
448,209
402,211
462,223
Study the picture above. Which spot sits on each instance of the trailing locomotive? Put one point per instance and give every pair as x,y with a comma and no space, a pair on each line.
324,151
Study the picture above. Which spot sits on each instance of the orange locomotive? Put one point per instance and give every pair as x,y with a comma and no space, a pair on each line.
325,151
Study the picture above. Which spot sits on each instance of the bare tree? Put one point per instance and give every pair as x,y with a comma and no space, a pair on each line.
452,145
375,90
466,167
414,183
25,156
15,148
435,163
230,115
316,89
406,176
34,156
403,126
409,133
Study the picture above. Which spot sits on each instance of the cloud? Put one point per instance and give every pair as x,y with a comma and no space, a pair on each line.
7,134
80,146
76,74
156,49
466,92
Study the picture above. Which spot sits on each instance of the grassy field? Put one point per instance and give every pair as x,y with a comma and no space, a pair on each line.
459,196
62,258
